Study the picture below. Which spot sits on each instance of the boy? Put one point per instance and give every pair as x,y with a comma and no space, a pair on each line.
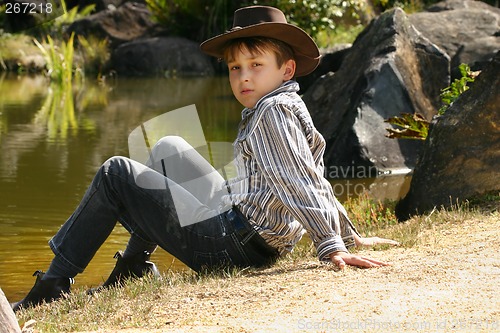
279,193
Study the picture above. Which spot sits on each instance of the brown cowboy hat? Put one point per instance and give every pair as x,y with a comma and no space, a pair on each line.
264,21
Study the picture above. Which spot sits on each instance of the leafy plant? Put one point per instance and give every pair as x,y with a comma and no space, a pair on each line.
205,17
320,18
341,35
62,17
95,53
59,59
450,94
74,13
318,15
415,126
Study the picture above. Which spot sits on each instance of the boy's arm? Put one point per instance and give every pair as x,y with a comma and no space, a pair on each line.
283,154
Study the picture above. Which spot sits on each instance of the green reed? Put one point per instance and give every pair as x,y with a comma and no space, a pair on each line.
59,59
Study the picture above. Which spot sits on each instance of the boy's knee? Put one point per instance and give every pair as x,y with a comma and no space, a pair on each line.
115,164
170,141
169,146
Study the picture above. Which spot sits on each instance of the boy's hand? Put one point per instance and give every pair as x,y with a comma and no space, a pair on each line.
341,259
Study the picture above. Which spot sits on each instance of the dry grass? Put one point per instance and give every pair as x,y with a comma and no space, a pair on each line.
18,52
299,290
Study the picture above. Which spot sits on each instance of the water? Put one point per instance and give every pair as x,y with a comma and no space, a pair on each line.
52,142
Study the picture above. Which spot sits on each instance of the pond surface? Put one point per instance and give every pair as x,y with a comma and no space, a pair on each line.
52,142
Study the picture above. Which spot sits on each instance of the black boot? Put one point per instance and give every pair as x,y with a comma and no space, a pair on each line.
125,269
44,291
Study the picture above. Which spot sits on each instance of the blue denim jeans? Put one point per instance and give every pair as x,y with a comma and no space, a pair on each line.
127,191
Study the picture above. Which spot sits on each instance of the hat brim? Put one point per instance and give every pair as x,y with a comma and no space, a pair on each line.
306,52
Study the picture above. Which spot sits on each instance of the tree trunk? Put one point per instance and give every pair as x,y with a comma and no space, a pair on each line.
8,321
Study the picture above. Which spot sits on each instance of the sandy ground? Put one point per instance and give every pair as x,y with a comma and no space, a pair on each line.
448,283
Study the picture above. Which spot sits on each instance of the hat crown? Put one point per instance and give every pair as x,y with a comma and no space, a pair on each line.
253,15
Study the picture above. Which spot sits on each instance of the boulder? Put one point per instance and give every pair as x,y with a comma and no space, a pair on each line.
99,4
119,25
467,30
461,157
391,68
330,61
160,56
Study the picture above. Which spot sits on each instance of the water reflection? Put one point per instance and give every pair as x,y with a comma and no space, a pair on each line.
53,140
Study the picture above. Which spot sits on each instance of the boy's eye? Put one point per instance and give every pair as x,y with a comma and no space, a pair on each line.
257,64
233,68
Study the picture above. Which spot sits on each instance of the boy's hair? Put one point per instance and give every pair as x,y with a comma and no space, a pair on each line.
258,45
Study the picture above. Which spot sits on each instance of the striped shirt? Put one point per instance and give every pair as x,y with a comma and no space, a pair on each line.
280,185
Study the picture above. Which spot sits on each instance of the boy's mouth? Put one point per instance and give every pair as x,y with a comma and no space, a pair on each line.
246,91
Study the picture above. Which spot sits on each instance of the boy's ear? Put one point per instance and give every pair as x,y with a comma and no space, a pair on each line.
290,67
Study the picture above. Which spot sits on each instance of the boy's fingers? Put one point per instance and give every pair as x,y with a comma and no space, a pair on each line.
376,262
338,261
341,259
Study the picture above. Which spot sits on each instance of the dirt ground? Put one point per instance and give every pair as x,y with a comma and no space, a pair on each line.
448,283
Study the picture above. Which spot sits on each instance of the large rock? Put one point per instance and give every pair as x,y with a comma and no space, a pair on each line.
461,157
128,22
330,61
160,56
99,4
468,31
391,68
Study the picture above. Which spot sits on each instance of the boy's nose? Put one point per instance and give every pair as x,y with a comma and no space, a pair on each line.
245,75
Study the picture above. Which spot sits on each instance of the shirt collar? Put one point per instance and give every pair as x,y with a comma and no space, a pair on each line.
287,86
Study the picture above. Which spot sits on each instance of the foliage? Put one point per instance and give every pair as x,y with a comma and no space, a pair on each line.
204,17
450,94
95,53
341,35
412,6
409,6
320,18
45,22
56,26
59,59
318,15
74,13
414,126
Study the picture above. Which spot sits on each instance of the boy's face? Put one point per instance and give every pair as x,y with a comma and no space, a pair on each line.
254,75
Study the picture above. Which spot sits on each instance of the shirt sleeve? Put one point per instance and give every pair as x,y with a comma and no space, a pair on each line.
280,146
